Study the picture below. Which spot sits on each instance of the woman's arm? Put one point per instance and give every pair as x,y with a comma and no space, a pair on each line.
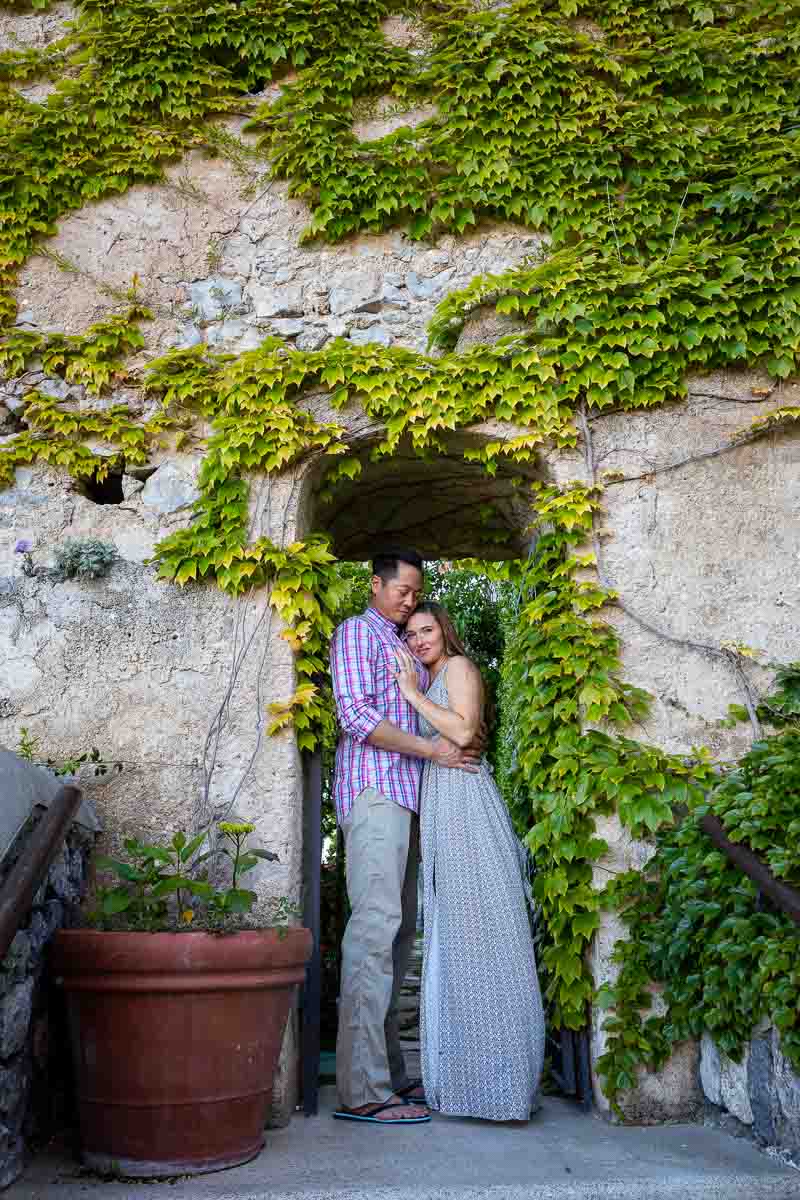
461,722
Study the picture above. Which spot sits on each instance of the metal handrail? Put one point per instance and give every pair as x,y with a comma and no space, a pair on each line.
783,895
29,871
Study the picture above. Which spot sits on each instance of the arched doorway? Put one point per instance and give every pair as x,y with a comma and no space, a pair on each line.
448,507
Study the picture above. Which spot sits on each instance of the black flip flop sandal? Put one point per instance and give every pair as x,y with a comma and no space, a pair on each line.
343,1115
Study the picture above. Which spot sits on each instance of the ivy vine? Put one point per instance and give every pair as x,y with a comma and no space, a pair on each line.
560,678
697,925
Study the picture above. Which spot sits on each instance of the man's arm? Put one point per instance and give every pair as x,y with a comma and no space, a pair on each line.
387,736
353,679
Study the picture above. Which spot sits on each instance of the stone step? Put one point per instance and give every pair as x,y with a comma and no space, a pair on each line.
561,1155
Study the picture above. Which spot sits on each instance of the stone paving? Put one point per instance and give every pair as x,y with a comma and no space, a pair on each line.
561,1155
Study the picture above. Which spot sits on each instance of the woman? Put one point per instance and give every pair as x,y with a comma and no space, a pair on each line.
482,1017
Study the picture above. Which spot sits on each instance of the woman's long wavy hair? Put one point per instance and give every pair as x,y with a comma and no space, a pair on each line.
453,645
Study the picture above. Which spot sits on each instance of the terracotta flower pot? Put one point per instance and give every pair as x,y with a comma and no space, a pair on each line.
175,1038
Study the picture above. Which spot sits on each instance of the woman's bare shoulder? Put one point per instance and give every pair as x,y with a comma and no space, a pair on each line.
462,667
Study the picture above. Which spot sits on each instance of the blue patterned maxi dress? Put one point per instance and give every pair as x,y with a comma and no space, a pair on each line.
482,1021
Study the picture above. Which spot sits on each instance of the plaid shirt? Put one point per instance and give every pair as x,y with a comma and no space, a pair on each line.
362,670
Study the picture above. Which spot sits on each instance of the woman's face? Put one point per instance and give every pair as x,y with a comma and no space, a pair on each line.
424,637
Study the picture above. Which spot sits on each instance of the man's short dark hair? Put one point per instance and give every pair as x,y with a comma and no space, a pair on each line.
386,562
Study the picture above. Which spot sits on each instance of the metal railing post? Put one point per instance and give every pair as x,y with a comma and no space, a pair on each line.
26,876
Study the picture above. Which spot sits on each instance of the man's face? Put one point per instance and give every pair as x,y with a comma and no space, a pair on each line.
398,598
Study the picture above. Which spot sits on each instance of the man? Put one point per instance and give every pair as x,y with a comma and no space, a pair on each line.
376,788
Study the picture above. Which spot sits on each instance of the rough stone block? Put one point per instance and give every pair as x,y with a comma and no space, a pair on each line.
15,963
355,290
375,333
14,1085
761,1087
287,327
59,389
53,914
787,1087
171,487
276,301
37,929
485,327
228,331
15,1018
131,487
186,337
387,118
426,289
215,296
58,876
395,296
431,263
312,338
710,1069
12,1159
734,1090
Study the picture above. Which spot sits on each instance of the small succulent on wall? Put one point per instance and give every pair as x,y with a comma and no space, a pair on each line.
24,546
87,558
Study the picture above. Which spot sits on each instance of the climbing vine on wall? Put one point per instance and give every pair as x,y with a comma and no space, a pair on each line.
622,122
726,961
655,144
561,681
593,120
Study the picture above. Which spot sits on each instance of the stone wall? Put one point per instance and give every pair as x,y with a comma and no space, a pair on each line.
139,669
34,1068
758,1096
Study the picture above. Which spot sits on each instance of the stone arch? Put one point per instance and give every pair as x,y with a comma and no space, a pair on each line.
444,505
412,499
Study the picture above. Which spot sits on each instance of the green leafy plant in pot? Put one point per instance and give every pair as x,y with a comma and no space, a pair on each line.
178,1000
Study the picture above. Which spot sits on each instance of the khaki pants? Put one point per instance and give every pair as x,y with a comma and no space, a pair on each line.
382,846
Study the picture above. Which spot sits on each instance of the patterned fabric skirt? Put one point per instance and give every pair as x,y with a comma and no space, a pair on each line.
482,1022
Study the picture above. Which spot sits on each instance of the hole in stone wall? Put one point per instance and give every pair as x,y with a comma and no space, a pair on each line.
11,421
102,491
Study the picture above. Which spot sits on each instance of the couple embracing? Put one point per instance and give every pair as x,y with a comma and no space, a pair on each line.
410,705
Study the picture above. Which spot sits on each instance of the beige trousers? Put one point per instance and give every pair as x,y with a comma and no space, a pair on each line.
382,848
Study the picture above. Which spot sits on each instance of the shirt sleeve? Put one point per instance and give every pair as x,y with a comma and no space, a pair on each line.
353,675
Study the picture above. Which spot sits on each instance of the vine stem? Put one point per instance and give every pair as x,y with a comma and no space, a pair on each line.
242,644
677,222
718,652
613,223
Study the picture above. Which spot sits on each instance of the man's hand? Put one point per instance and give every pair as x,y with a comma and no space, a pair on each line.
446,754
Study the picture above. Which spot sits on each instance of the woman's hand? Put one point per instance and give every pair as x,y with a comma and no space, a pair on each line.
406,674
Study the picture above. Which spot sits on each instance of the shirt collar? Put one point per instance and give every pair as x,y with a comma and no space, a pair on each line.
382,622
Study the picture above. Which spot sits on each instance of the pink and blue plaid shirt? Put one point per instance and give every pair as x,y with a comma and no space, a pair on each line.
362,670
